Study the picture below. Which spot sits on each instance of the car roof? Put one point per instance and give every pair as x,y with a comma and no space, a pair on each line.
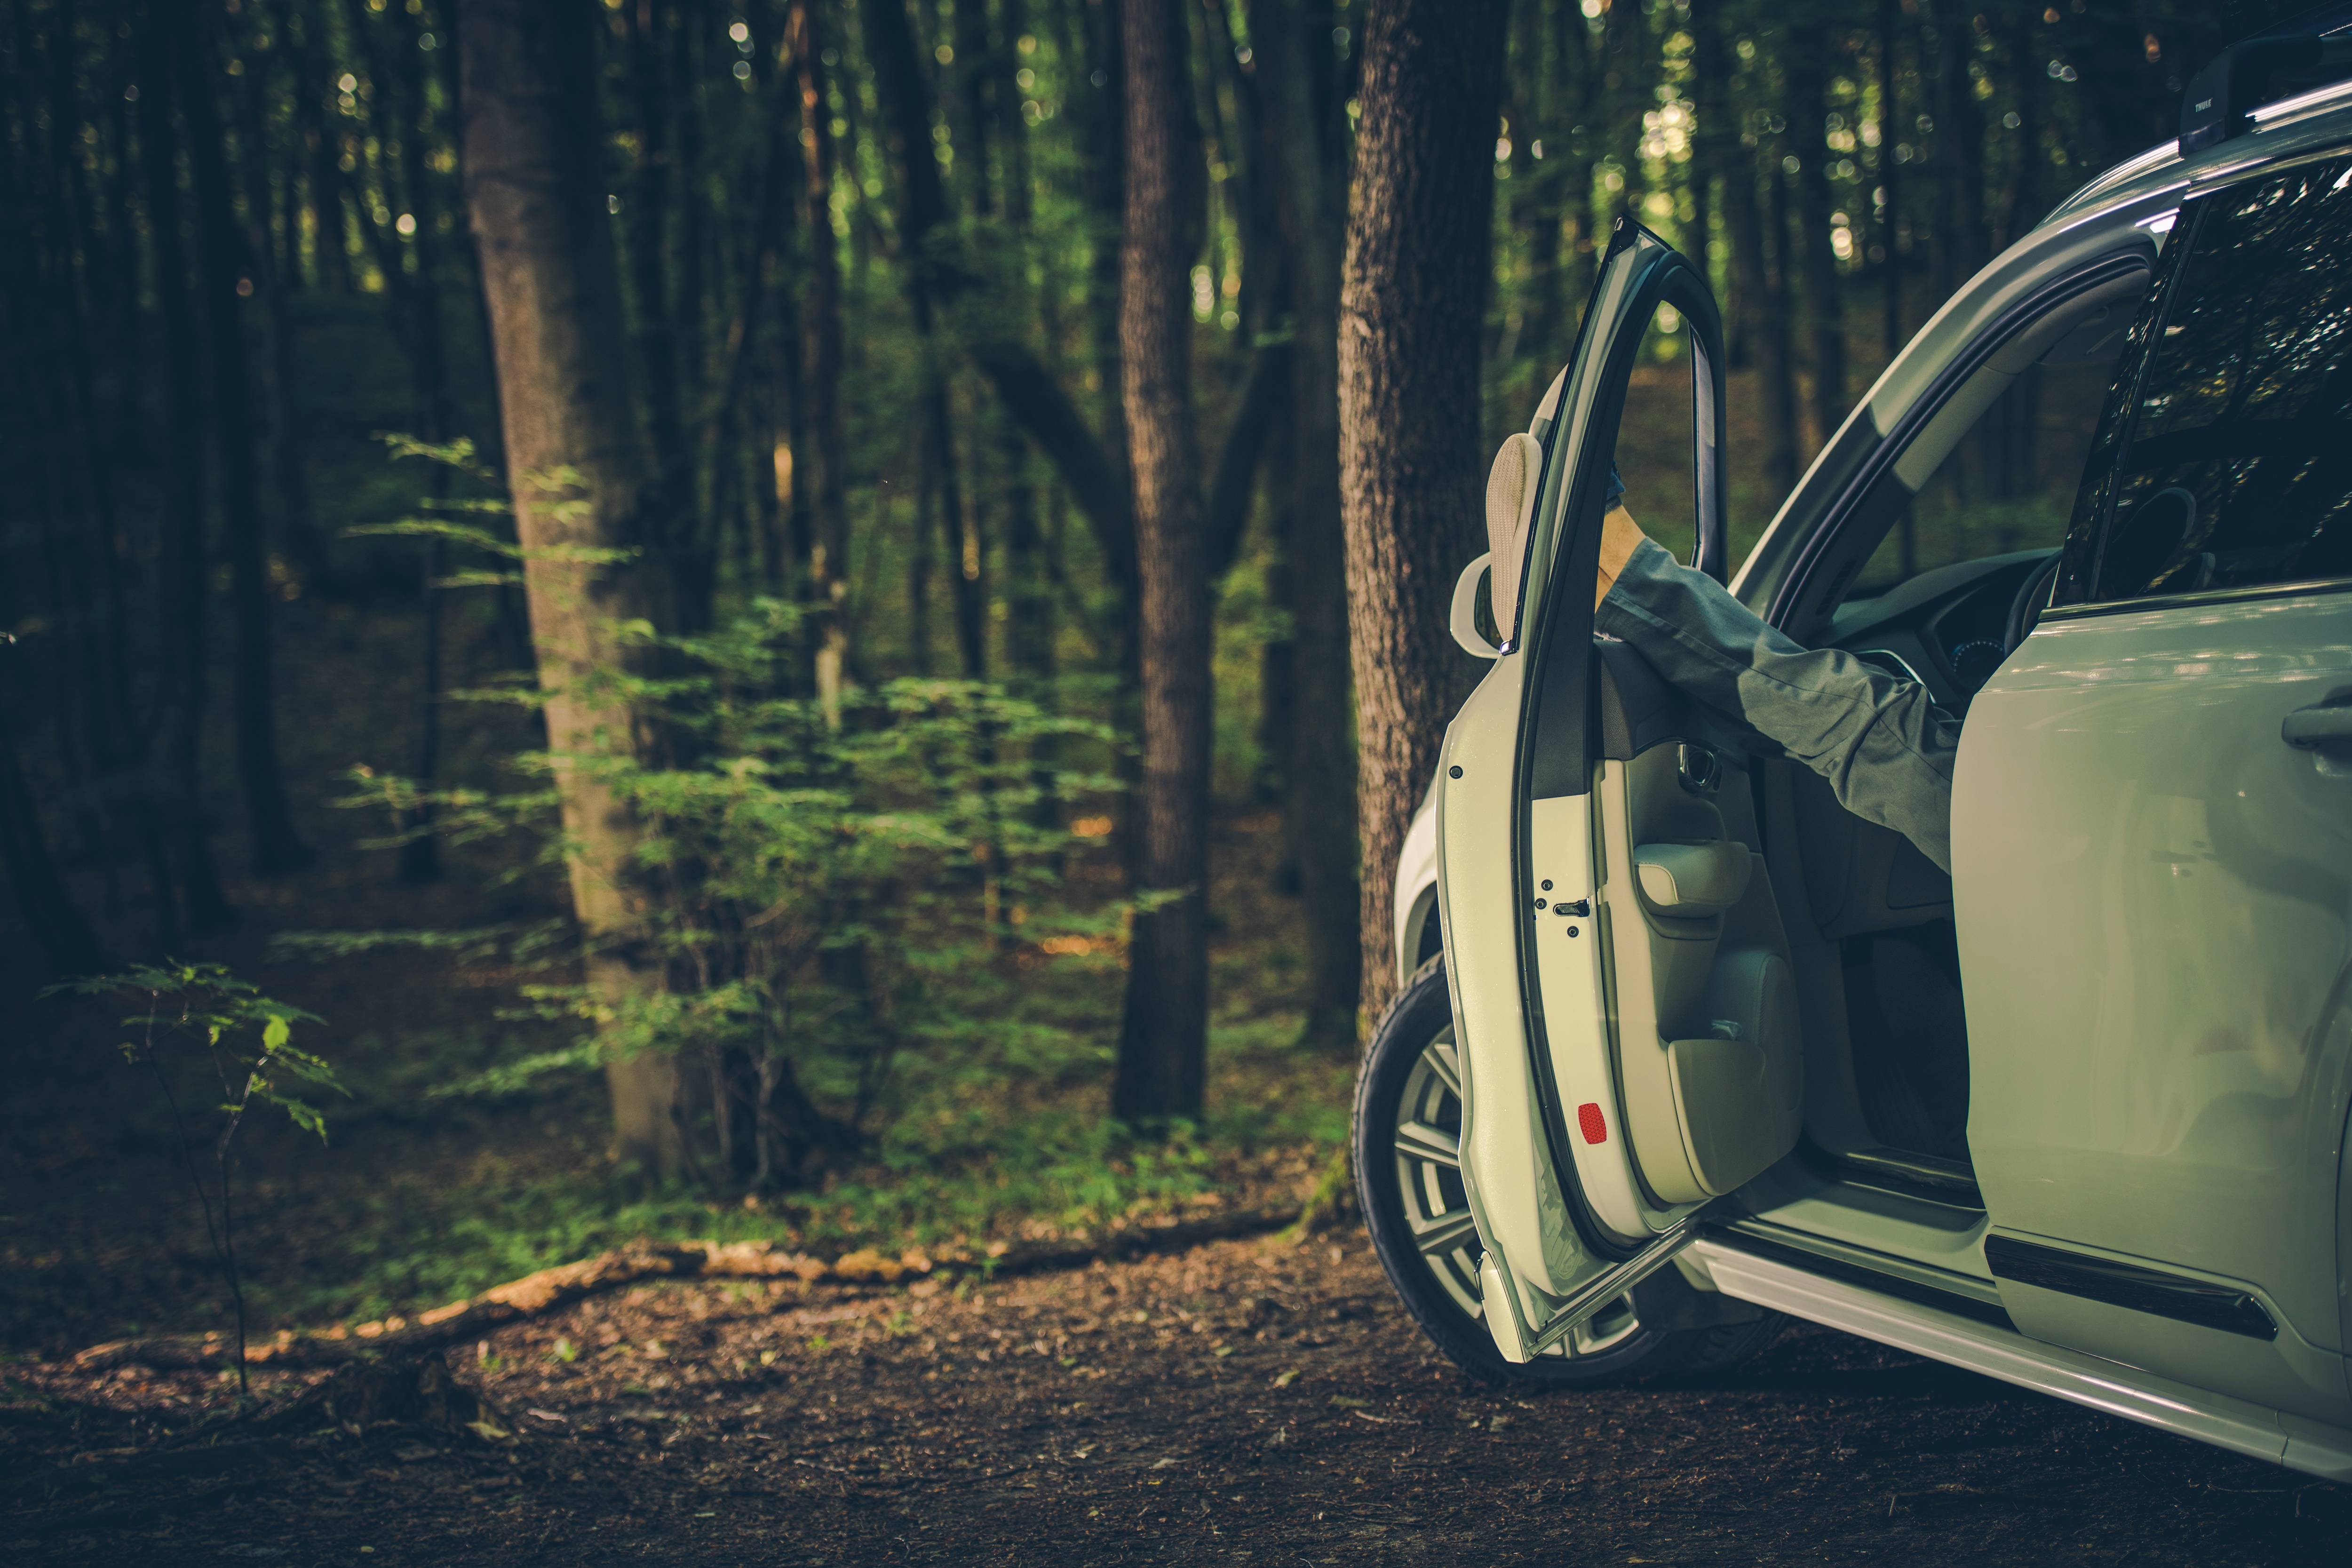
2281,130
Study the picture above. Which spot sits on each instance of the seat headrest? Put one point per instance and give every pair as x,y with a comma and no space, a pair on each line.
1510,497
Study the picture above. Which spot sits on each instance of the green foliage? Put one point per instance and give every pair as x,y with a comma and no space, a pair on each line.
246,1038
839,916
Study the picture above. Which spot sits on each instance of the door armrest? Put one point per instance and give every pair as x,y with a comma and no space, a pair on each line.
1692,880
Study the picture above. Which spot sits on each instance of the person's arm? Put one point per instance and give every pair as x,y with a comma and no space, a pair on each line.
1880,740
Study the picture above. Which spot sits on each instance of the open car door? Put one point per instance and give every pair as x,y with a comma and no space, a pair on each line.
1629,1046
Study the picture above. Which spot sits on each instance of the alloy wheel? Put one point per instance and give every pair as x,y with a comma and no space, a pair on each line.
1428,1160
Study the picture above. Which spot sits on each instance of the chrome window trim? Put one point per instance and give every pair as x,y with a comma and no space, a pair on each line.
2209,596
2221,179
2287,110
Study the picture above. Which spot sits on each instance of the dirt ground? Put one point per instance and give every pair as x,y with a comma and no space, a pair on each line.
1248,1401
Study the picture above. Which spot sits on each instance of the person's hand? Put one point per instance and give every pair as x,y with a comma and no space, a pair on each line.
1620,537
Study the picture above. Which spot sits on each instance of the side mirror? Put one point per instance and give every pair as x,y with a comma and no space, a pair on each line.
1464,623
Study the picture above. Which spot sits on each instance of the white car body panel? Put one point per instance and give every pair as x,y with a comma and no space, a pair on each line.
2151,889
1506,1166
1416,884
2315,1447
2132,1097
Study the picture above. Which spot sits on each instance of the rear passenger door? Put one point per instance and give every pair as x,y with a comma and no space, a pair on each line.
2152,837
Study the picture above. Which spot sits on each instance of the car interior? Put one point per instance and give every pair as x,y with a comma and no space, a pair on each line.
1937,573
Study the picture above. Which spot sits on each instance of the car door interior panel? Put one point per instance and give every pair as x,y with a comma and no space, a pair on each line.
1710,1050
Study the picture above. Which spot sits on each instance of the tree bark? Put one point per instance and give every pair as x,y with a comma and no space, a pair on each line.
1163,1068
223,277
323,182
1412,475
1807,66
420,857
653,35
551,278
1716,152
1890,122
823,356
1318,769
1763,279
1029,621
186,563
906,102
41,897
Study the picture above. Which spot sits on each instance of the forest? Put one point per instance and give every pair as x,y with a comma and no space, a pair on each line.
818,621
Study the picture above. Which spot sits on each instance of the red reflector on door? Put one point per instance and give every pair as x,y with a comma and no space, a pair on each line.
1590,1123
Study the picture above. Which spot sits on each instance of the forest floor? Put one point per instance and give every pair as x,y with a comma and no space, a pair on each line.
1246,1402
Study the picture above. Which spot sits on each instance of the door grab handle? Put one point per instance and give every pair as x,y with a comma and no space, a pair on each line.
2317,729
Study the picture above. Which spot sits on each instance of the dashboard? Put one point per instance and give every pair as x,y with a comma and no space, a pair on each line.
1944,629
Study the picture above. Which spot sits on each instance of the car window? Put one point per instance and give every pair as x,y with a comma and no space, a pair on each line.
1655,453
2007,486
2229,465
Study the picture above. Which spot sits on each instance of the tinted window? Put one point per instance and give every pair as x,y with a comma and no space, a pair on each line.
2231,459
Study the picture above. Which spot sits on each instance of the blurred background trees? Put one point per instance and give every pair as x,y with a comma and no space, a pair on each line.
1003,340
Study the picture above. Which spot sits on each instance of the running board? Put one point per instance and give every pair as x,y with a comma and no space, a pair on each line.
2298,1443
1507,1324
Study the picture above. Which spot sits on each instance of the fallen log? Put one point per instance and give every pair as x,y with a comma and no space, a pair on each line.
551,1289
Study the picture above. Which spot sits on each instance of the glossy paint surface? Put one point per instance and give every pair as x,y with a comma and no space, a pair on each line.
2152,892
1507,1168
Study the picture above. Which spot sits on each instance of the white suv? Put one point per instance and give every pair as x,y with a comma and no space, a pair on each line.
1700,1048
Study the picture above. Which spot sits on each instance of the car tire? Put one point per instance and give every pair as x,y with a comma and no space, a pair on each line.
1408,1123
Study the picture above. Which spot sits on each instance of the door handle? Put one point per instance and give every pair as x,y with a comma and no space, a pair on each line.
2320,728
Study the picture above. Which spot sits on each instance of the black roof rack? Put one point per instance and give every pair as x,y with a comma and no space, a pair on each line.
2312,50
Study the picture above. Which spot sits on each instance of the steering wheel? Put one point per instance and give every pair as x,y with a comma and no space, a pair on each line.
2032,598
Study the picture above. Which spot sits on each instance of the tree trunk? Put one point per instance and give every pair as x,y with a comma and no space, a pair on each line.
1162,1070
41,897
1807,66
420,857
906,103
652,34
1028,592
277,277
61,410
1579,67
186,565
1717,151
222,275
1630,68
1318,769
826,463
1412,476
1890,131
1762,257
550,273
323,184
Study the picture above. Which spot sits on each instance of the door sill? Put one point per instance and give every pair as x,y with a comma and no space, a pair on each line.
1915,1175
1904,1278
2295,1442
